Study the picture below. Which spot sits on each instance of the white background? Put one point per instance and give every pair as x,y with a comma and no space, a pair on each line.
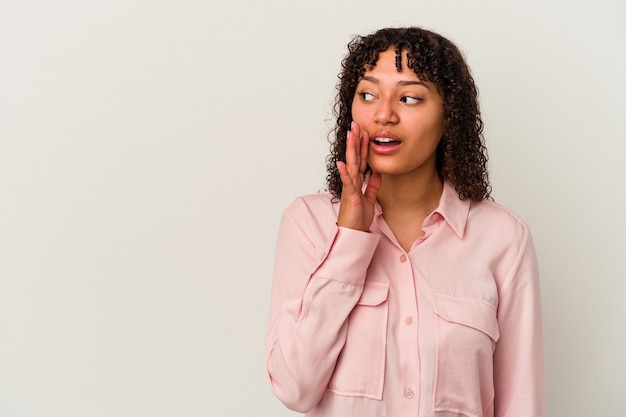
147,149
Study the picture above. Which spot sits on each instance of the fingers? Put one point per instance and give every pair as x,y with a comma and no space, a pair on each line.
373,185
353,151
357,148
351,156
356,136
344,175
365,144
357,207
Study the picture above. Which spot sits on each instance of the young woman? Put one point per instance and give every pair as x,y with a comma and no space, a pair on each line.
404,290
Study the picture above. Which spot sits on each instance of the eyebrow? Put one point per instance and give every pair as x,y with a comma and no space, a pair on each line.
402,83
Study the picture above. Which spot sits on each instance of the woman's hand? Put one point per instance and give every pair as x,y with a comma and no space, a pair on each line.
357,206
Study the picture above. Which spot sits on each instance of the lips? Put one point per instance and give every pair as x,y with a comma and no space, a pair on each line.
384,142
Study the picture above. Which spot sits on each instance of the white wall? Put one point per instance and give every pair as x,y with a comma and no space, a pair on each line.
148,147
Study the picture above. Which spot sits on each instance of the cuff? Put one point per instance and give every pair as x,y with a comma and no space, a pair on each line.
349,256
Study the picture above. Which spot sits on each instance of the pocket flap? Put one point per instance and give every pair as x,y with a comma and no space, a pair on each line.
374,293
476,314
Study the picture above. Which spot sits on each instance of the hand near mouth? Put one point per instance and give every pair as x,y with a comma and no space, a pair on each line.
357,207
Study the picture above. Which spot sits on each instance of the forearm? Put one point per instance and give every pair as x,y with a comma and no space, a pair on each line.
311,301
307,339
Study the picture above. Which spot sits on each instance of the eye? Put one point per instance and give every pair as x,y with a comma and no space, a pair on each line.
367,96
410,100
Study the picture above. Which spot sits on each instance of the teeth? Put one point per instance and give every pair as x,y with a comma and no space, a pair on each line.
384,140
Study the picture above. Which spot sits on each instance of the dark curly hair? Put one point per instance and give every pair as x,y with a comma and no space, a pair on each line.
461,153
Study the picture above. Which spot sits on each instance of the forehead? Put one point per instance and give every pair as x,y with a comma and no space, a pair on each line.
391,60
391,65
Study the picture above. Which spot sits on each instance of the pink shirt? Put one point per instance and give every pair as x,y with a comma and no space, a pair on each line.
360,328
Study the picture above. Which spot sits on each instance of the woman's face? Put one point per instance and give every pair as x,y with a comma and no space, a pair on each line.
403,116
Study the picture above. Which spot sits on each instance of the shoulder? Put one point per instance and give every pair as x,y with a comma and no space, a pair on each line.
497,212
505,236
493,218
313,211
310,218
313,205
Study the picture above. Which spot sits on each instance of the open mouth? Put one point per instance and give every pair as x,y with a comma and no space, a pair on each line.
385,141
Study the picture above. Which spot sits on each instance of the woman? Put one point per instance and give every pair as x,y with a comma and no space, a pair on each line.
404,290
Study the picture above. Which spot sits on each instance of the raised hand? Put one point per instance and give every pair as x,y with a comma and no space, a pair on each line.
357,206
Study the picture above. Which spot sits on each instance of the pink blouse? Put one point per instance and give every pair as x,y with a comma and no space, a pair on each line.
452,328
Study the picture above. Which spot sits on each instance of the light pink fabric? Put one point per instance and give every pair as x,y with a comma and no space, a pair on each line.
359,328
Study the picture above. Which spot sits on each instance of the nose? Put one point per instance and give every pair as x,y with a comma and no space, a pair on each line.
386,112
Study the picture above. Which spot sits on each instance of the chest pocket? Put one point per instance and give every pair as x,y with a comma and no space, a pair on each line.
360,367
467,334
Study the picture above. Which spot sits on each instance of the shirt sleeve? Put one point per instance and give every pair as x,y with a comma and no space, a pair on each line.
317,281
518,357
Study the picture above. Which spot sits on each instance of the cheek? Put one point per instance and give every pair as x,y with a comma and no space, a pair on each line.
433,123
354,110
438,126
359,114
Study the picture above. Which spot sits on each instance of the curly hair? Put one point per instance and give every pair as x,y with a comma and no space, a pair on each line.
461,156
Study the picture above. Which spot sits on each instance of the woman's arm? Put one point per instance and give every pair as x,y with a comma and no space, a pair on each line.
317,282
518,358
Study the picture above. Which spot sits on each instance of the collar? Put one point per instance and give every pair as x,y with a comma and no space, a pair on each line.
454,210
451,208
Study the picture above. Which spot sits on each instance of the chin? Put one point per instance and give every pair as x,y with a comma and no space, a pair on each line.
385,170
391,167
385,167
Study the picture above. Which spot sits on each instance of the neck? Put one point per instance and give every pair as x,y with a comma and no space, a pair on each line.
403,194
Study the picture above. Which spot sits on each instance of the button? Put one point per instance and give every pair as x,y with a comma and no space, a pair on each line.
409,320
409,393
403,258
